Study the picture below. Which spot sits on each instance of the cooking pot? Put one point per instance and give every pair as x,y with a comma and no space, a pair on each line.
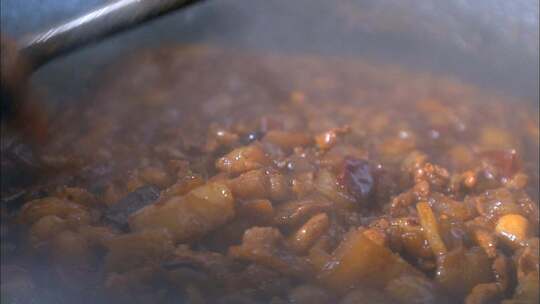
490,44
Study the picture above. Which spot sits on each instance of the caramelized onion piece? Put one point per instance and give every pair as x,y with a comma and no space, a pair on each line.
292,213
328,139
287,139
265,246
506,162
36,209
254,184
360,262
201,210
512,229
431,229
242,159
304,237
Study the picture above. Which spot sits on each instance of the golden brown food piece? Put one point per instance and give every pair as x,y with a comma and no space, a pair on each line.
496,138
251,185
155,176
287,140
185,184
320,252
201,210
242,159
444,205
431,228
495,203
486,240
303,184
360,262
293,213
415,243
513,229
518,181
377,236
461,156
303,238
79,196
36,209
328,139
128,251
327,184
260,211
220,137
265,246
280,186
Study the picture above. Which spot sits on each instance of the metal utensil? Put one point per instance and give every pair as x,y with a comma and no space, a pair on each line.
94,26
34,51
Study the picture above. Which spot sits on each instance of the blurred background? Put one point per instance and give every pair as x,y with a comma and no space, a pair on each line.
490,43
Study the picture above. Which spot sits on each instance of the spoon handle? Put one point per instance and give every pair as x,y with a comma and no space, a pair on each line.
93,26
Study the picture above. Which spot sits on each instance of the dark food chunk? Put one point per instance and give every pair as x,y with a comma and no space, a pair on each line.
134,201
506,162
358,177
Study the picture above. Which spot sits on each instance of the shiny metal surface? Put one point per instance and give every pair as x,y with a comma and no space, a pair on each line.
92,26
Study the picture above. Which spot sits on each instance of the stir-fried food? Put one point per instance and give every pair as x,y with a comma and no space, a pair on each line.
200,176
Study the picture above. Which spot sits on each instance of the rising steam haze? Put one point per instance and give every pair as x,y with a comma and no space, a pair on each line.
492,43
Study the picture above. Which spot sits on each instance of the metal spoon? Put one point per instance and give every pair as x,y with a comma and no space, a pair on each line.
38,49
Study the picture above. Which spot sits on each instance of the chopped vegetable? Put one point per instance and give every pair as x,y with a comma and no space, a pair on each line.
287,140
360,262
265,246
242,159
513,229
304,237
431,229
193,215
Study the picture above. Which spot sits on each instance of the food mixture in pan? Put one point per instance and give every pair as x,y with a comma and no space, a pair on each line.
197,175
